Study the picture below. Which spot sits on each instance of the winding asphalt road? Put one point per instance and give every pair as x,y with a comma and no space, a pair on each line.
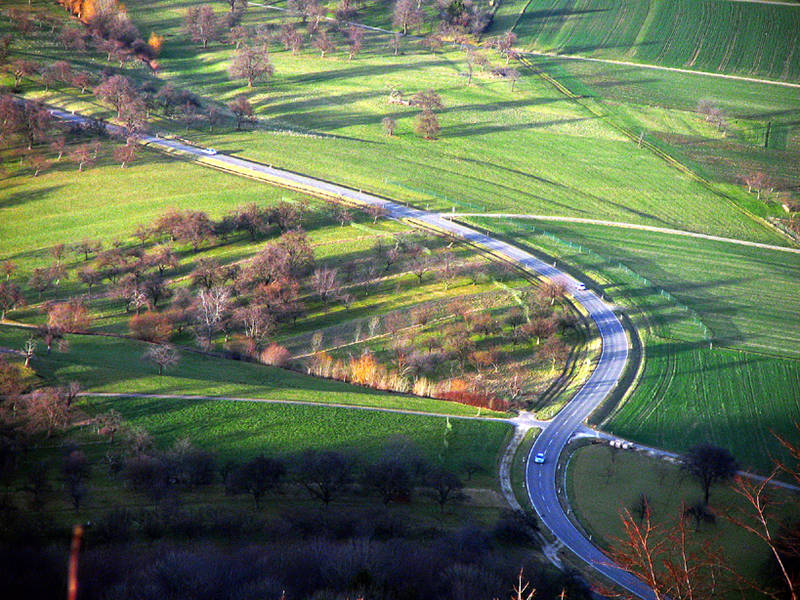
541,479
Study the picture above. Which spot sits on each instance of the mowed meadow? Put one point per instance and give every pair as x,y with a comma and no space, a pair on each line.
744,38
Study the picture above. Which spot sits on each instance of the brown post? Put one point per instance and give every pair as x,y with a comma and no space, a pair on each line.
72,575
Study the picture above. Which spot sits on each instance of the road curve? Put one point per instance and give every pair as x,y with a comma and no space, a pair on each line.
541,479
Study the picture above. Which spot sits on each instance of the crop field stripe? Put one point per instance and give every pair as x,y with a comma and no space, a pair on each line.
717,36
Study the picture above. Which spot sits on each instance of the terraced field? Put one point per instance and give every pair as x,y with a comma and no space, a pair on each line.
750,39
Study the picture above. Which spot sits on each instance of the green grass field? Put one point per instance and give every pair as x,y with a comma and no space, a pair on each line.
599,489
114,365
241,430
747,299
750,39
534,149
690,395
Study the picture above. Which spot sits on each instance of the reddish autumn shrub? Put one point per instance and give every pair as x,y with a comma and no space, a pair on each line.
72,316
460,392
151,327
275,355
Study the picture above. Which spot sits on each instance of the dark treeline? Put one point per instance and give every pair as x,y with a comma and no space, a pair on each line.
306,552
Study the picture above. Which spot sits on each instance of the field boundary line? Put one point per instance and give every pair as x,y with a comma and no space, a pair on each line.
629,63
651,228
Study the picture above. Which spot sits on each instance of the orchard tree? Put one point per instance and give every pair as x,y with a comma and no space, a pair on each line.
35,123
391,478
355,40
72,38
324,474
202,24
210,312
59,146
551,291
323,43
163,258
239,35
82,80
125,154
757,180
446,486
162,355
236,5
428,100
151,327
407,15
257,321
118,91
8,268
291,38
75,470
71,316
709,464
257,477
433,42
389,125
427,125
325,282
242,110
38,163
83,155
21,68
10,297
505,45
46,411
252,64
87,247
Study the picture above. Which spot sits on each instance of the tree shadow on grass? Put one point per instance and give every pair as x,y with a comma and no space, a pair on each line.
10,199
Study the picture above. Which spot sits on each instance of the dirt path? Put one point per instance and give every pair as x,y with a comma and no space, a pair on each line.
627,63
692,234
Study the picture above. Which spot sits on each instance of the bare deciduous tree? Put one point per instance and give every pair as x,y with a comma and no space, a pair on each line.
202,24
389,125
252,64
162,355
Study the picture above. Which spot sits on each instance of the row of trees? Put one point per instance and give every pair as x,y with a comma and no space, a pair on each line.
324,475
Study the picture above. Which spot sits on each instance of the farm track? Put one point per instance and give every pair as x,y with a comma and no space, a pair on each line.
628,63
651,228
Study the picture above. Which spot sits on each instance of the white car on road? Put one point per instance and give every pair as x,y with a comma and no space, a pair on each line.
209,151
539,458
